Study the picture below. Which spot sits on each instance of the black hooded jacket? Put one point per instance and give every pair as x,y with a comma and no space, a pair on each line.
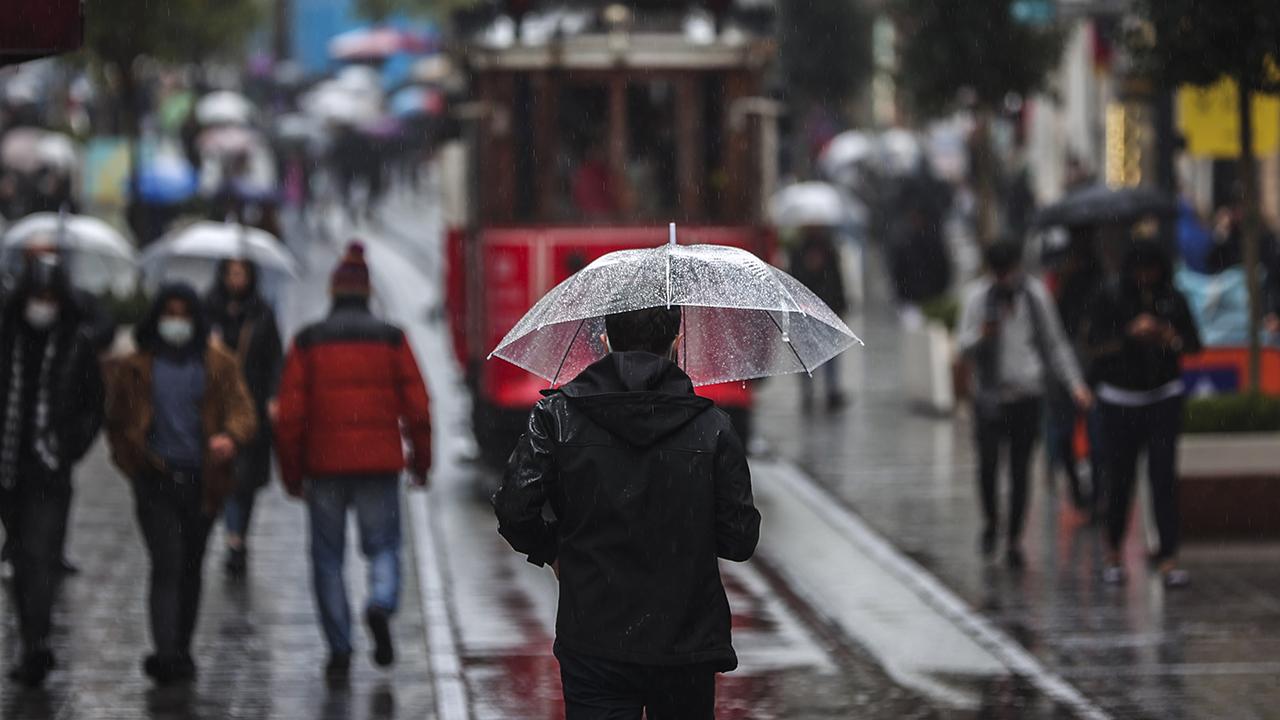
76,393
1127,363
649,485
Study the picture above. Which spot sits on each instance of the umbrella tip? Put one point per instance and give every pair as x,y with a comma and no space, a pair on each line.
671,237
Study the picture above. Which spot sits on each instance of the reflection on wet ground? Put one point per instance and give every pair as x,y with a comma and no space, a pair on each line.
1139,650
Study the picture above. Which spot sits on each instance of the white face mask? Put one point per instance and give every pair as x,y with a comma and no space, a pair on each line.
175,331
41,314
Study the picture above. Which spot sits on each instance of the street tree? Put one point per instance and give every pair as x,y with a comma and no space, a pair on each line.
120,33
976,53
1200,42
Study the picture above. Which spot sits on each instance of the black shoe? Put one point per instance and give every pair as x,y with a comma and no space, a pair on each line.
237,563
1014,559
167,670
379,622
987,543
338,668
33,669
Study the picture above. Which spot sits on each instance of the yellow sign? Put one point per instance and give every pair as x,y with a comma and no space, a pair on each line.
1210,120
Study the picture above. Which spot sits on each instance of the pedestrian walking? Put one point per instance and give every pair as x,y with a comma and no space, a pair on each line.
649,485
350,385
52,390
1140,330
1011,333
246,325
815,262
1079,283
177,411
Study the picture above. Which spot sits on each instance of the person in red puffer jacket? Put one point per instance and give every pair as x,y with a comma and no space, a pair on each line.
350,394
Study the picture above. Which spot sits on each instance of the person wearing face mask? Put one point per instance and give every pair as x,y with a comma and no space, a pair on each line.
177,414
51,390
1139,333
1011,334
246,325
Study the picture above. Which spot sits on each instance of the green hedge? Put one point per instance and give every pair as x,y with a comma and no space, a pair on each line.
943,309
1233,414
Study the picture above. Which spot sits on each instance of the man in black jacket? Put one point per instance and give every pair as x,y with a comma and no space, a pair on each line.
648,485
51,397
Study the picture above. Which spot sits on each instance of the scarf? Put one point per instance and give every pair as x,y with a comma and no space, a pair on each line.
45,445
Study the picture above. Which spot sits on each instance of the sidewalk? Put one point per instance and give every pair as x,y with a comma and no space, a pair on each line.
1138,651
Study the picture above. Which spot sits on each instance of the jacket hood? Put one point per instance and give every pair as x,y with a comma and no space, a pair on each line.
637,396
147,334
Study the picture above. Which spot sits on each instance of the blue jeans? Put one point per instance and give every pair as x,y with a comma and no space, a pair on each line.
377,504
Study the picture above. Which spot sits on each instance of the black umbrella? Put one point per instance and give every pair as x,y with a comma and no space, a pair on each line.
1102,205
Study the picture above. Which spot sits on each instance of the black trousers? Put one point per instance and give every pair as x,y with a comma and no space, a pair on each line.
35,519
598,689
1012,426
1129,431
176,532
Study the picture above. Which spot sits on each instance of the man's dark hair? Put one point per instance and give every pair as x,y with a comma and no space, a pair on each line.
1002,257
651,330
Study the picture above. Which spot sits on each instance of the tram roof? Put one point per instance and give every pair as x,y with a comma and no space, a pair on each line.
636,51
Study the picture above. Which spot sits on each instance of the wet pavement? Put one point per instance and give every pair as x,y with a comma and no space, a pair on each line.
1139,651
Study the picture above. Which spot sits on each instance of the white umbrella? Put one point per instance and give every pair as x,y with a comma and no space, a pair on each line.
743,318
222,141
224,107
841,160
100,256
367,44
814,204
335,103
21,149
59,151
900,152
207,240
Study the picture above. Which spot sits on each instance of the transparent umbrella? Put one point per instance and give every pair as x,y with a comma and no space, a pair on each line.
743,318
99,256
197,248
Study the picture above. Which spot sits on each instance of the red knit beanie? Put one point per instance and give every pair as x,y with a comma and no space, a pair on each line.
351,277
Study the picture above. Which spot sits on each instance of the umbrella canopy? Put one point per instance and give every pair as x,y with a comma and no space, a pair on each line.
99,256
417,101
167,179
379,43
336,103
813,204
58,151
216,241
900,152
223,141
743,318
298,129
841,159
224,107
21,149
1102,205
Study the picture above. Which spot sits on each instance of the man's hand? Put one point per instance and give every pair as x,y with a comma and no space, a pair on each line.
222,448
1083,397
1146,327
273,410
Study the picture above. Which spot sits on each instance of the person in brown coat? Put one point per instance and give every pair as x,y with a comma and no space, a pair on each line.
177,412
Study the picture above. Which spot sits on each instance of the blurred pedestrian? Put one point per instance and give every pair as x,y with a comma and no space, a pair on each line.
1140,330
1011,333
246,325
815,262
177,413
919,260
649,486
1079,282
350,393
52,390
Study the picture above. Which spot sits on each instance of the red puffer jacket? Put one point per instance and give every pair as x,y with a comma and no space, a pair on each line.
350,384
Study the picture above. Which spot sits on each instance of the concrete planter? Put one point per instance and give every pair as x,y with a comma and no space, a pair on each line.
927,368
1229,485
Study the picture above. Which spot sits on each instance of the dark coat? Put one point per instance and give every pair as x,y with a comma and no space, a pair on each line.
1128,364
350,394
256,345
77,393
815,262
649,486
